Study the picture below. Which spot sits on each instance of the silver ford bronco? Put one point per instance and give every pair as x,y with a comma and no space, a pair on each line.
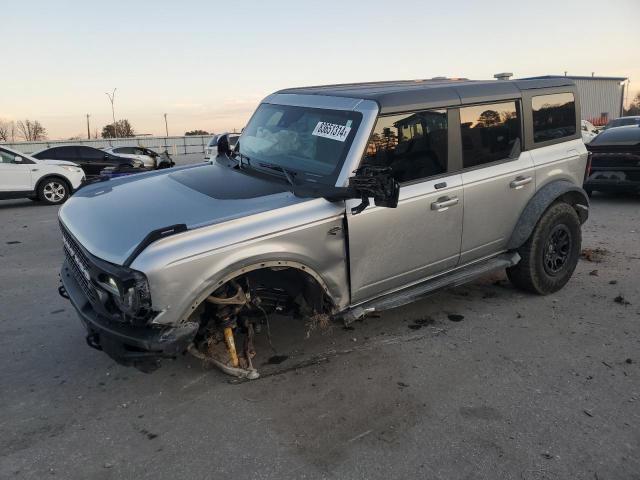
336,201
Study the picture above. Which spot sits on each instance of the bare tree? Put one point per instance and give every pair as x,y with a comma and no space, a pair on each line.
32,130
5,131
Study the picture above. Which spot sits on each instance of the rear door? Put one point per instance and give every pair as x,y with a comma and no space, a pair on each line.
498,177
390,248
14,176
93,160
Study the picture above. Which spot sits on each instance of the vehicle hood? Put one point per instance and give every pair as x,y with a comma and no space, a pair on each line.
111,218
60,163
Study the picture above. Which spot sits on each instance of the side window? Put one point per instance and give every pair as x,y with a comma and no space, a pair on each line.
65,153
414,145
554,116
7,157
48,154
91,154
489,133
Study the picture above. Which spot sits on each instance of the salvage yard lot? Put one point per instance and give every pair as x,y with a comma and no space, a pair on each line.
481,381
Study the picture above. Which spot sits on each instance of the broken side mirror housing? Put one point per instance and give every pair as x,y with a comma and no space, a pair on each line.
368,181
377,182
223,145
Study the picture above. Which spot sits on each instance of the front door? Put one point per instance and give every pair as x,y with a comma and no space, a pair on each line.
498,178
390,248
14,176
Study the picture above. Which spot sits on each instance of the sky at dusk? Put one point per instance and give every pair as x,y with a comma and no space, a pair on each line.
207,64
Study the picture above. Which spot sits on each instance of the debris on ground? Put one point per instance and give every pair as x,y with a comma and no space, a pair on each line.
629,361
588,413
613,282
454,317
593,273
621,300
421,322
277,359
546,455
320,321
13,242
595,255
402,385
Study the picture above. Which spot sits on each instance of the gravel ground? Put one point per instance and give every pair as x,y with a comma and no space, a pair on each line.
520,387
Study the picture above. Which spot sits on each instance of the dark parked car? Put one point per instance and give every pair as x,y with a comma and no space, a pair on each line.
91,160
615,160
623,122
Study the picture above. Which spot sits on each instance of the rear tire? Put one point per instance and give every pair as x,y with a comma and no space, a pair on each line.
550,255
53,191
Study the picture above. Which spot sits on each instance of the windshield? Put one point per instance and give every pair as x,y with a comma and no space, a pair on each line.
311,141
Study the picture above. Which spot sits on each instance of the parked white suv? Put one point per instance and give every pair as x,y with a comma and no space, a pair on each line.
22,176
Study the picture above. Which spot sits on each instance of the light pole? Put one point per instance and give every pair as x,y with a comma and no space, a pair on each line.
166,126
88,129
112,98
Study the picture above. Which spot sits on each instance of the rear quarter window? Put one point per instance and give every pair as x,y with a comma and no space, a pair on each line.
554,116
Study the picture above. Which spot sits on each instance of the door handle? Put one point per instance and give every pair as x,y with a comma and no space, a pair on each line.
444,203
520,182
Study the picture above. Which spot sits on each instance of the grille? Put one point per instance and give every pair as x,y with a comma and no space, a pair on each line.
79,265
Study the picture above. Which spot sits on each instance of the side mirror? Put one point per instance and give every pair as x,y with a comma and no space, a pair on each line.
376,182
17,159
223,146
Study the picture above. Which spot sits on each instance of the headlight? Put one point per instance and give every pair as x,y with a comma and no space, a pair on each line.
131,296
72,169
109,284
135,298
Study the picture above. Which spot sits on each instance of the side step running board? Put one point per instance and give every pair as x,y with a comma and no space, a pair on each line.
452,279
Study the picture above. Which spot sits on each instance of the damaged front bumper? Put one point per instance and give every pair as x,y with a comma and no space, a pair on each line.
138,346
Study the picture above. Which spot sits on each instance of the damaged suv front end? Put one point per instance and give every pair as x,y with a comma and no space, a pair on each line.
210,251
114,303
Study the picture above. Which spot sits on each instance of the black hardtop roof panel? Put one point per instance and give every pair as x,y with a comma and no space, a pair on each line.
406,95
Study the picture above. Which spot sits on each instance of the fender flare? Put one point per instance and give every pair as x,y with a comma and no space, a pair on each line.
541,201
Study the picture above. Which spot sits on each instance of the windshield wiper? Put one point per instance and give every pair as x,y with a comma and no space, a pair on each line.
287,173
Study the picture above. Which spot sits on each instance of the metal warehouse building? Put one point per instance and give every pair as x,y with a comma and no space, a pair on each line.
601,98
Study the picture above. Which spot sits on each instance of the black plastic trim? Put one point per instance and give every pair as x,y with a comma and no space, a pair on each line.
152,237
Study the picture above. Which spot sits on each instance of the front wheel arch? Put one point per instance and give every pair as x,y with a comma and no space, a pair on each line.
235,273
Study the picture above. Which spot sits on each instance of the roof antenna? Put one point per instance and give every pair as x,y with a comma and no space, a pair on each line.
503,76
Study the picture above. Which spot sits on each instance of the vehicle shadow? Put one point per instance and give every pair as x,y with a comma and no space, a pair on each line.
22,203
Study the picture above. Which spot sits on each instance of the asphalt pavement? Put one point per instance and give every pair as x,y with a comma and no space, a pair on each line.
478,382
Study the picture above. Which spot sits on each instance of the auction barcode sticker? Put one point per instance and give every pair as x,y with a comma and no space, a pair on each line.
332,131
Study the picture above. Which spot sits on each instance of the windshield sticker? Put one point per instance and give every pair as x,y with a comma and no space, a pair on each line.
332,131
